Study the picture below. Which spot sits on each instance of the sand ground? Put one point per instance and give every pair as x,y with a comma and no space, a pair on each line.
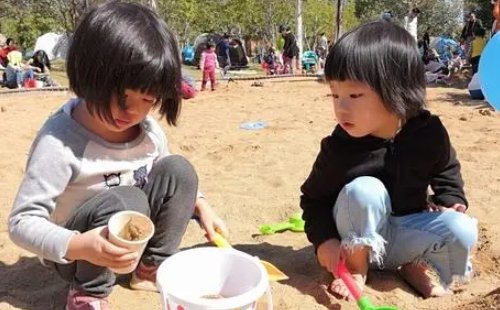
253,178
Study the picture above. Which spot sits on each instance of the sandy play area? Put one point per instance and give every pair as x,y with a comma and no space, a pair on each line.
253,178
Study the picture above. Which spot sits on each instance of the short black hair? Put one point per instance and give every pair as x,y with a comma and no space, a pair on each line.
45,61
118,46
416,11
385,57
210,44
8,41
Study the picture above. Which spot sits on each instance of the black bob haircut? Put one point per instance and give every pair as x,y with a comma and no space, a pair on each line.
119,46
210,44
385,57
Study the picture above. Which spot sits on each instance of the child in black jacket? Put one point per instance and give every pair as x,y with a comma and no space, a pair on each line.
366,200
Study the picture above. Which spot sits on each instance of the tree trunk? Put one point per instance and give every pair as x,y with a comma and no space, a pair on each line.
339,19
300,31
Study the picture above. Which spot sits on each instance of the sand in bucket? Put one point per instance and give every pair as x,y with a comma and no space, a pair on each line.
212,278
131,230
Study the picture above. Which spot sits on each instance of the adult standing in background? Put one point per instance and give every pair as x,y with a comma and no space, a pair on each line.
290,50
322,49
468,32
411,23
223,54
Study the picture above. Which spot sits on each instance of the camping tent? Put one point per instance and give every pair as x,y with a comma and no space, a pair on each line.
238,55
55,45
444,45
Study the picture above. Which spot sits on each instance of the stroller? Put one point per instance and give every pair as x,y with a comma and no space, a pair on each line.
310,61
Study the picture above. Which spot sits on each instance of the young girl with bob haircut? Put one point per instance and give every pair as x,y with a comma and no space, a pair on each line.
366,200
101,153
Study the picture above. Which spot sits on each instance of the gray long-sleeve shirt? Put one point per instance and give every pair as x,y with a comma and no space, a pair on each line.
67,165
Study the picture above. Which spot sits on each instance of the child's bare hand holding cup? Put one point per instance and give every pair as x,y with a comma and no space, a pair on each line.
93,246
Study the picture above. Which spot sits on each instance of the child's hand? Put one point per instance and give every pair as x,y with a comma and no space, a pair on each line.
209,220
456,207
94,247
329,255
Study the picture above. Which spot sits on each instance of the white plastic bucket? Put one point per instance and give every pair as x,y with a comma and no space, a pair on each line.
184,278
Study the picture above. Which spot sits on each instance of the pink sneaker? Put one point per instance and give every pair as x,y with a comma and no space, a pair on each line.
78,300
144,278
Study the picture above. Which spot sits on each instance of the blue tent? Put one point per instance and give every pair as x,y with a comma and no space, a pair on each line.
188,54
445,46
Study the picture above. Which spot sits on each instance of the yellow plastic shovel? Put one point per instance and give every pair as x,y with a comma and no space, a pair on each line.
273,272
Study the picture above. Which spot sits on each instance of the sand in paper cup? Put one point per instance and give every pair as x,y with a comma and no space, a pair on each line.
133,235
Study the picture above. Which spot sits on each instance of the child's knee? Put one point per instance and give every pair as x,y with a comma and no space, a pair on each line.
130,198
463,229
178,167
364,195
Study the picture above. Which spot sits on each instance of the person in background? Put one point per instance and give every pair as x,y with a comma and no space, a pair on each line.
188,85
13,77
10,45
208,64
39,67
387,16
322,49
411,23
456,63
224,54
290,51
468,33
496,15
478,45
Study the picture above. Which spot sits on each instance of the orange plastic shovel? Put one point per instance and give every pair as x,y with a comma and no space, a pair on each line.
273,272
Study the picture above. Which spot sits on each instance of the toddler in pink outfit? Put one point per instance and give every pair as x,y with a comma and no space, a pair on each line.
208,63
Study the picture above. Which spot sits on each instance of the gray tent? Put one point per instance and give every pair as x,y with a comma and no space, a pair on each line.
239,59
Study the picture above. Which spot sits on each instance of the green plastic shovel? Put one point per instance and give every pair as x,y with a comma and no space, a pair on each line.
294,223
363,301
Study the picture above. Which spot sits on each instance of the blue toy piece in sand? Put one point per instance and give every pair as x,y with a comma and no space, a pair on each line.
489,72
255,125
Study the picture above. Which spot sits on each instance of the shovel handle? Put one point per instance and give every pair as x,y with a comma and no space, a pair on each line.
346,276
219,239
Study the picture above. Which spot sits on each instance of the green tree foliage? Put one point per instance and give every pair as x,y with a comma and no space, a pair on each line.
25,20
438,16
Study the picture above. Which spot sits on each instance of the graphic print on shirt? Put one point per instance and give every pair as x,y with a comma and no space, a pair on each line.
112,179
141,176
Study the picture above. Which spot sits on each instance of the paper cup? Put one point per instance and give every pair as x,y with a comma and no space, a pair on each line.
116,225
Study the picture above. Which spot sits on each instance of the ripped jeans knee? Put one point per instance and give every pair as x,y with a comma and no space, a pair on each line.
361,213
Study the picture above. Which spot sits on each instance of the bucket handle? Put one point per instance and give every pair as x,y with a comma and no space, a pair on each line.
269,298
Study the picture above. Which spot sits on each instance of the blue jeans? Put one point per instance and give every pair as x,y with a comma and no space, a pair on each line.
442,240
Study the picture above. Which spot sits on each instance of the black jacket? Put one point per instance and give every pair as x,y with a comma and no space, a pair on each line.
470,28
290,48
420,155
